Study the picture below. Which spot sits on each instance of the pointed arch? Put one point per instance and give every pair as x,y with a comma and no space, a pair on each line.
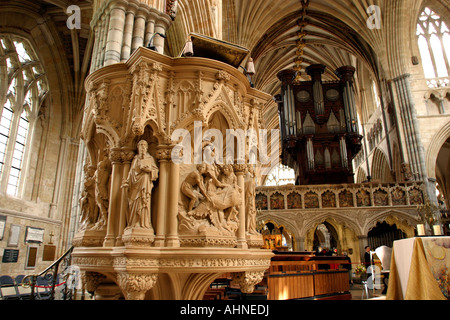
435,146
380,167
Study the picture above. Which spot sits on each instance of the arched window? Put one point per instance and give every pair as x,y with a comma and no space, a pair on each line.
279,176
434,44
23,86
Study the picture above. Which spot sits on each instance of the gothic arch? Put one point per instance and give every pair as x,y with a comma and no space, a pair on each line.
335,219
437,141
404,221
361,175
288,224
380,167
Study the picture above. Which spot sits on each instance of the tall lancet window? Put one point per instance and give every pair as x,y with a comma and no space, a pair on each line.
23,86
434,44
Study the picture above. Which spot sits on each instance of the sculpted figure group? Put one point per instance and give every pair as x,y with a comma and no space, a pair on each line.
211,203
214,199
138,186
95,196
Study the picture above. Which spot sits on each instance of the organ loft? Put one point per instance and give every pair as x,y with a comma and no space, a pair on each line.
319,125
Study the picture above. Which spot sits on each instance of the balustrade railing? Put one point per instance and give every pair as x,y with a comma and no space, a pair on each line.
58,274
292,197
438,82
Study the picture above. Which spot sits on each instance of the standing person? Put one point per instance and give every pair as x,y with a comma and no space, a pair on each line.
348,266
368,261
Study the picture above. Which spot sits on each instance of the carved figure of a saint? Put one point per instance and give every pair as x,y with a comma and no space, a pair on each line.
89,209
250,196
102,175
143,173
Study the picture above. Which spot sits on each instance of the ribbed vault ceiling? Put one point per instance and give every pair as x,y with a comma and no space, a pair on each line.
335,34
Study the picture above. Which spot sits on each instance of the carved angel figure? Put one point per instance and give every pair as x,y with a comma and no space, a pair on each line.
139,183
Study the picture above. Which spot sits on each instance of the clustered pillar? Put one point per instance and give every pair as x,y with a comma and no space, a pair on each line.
122,26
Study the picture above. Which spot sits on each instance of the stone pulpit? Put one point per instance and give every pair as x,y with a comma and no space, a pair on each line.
164,212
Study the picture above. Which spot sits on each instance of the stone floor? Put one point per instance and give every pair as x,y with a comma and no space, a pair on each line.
358,293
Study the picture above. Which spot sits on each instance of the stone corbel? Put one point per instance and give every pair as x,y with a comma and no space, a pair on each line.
92,280
135,285
248,279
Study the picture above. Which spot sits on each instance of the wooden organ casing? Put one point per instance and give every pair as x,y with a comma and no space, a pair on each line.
319,126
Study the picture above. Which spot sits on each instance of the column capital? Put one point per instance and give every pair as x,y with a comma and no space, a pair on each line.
164,152
240,168
135,285
121,155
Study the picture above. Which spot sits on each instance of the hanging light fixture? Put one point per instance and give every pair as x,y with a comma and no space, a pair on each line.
300,43
188,48
250,67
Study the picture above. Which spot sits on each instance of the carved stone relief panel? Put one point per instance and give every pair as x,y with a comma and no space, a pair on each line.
277,201
346,199
363,198
328,200
380,198
261,201
311,200
294,201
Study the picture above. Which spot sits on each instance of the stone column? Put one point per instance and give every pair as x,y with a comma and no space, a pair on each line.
172,239
128,156
139,30
299,244
103,37
114,198
115,33
150,27
128,32
163,156
239,170
158,41
363,242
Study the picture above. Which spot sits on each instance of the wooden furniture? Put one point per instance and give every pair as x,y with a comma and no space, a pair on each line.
301,276
292,276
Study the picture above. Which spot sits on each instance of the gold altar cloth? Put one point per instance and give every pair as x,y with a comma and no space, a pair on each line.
420,269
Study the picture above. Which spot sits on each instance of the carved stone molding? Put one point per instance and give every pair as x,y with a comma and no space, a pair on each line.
89,238
248,279
92,280
255,241
135,237
135,285
208,241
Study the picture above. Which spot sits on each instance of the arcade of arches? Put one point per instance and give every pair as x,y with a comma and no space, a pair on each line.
81,87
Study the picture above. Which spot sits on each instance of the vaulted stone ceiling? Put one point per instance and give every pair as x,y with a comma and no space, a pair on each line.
336,34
